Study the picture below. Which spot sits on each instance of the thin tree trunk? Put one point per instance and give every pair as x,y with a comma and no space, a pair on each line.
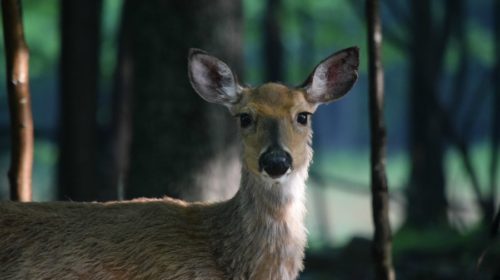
122,108
80,30
17,57
460,144
495,134
495,225
382,240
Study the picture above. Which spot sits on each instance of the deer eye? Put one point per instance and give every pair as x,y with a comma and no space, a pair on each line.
303,117
245,120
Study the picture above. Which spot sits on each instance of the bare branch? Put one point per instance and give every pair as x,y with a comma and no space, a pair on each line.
21,120
462,147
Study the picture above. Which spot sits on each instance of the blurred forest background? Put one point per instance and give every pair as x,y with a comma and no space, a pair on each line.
115,117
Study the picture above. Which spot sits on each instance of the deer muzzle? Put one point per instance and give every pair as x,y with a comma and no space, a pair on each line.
275,162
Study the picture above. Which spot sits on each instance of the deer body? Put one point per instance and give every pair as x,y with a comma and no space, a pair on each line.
242,238
258,234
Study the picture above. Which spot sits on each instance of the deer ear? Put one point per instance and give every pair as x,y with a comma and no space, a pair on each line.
333,77
212,79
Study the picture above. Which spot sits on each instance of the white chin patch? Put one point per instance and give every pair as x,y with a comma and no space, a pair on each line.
280,180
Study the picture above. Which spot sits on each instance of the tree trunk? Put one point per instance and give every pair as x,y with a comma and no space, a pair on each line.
273,47
21,120
382,240
427,204
117,155
80,29
181,146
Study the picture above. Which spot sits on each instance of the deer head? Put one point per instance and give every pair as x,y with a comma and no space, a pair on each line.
274,119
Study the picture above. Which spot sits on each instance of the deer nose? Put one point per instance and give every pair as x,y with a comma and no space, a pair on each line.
275,162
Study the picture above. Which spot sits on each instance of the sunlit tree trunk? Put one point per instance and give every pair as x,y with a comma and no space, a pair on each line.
21,120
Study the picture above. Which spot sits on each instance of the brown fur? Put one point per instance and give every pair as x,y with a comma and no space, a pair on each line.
274,101
258,234
247,237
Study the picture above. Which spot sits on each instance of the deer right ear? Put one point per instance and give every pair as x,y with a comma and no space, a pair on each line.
212,79
333,77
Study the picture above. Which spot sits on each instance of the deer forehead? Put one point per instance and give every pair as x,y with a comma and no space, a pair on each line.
275,100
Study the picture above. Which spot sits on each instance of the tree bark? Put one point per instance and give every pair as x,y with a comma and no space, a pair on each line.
181,145
273,47
427,203
121,130
21,119
80,30
382,240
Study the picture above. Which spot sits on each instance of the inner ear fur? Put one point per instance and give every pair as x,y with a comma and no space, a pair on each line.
333,77
212,79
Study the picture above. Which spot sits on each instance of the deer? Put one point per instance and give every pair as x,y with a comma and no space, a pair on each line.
257,234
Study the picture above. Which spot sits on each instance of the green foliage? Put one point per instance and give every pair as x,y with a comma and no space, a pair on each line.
45,162
437,239
347,171
42,33
111,19
252,17
458,179
354,166
329,33
41,24
481,46
481,40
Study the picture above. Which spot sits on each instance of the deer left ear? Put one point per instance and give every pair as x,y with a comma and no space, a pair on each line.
333,77
212,79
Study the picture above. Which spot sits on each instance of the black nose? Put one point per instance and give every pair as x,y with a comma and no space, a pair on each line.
275,162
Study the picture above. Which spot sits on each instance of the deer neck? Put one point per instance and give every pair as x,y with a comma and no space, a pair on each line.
263,200
261,232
